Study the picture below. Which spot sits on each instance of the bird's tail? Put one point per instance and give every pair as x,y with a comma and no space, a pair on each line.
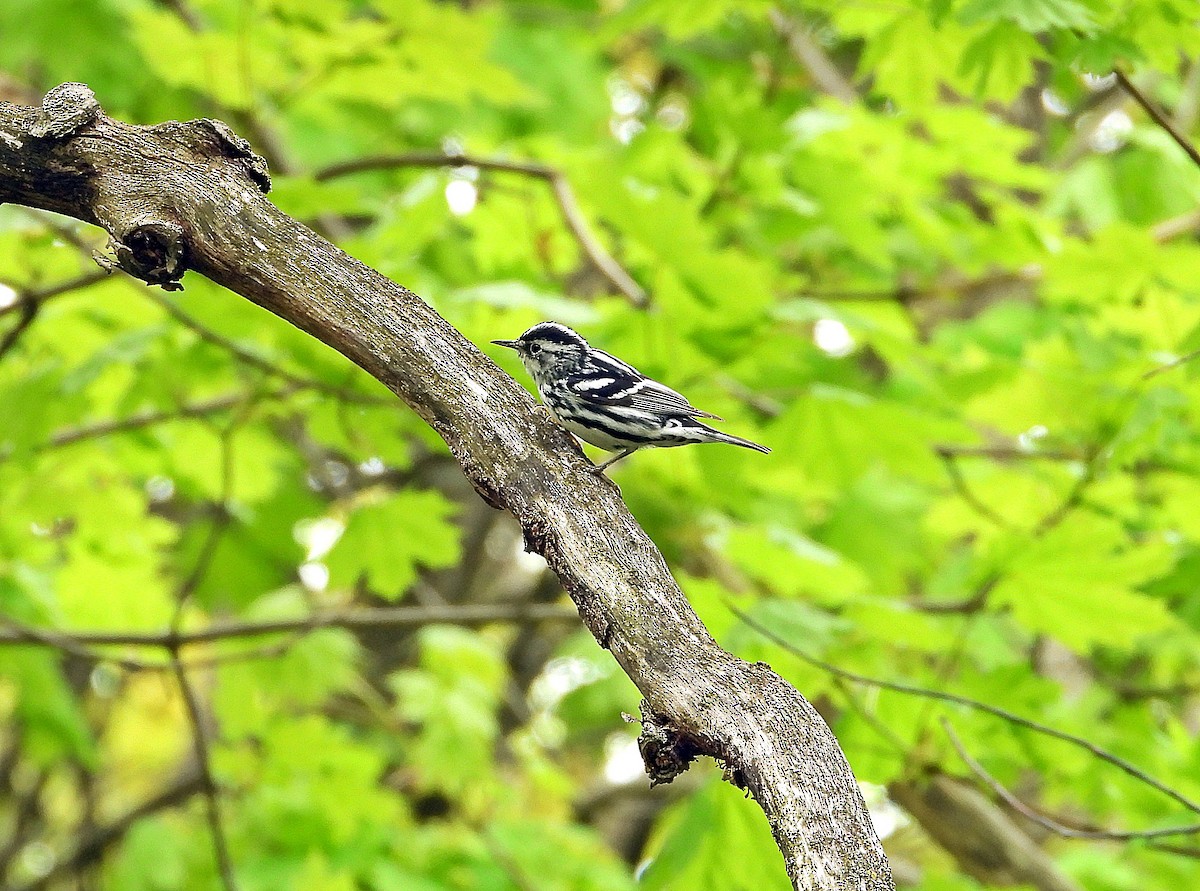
708,434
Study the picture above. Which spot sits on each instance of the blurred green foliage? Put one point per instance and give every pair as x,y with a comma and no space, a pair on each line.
929,251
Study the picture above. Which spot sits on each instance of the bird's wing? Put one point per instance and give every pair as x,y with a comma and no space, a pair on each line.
610,381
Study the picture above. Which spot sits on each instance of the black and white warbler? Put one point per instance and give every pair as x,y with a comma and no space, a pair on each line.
607,402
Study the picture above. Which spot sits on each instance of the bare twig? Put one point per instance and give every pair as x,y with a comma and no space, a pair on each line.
24,813
66,643
1157,116
975,704
812,56
955,285
41,295
248,357
92,848
950,286
220,524
29,313
969,606
183,594
959,482
212,795
1006,453
381,617
1174,227
1173,364
1188,105
1074,497
1180,850
187,411
564,196
84,644
1045,822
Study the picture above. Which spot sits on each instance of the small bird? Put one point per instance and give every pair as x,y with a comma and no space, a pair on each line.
607,402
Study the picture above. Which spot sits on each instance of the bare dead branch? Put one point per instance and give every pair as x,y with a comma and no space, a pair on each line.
89,645
1054,825
564,196
1173,364
181,196
29,313
15,632
166,216
1006,452
1011,717
959,482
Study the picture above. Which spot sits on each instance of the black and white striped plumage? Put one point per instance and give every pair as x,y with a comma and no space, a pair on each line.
607,402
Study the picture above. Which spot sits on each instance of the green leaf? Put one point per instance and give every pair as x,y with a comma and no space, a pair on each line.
1031,15
387,540
715,835
789,563
1085,602
452,697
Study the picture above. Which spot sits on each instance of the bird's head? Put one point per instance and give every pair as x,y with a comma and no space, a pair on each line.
548,349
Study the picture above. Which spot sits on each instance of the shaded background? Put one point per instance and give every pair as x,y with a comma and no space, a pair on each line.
933,253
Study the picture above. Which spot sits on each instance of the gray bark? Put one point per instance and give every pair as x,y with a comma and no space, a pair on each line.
181,196
981,837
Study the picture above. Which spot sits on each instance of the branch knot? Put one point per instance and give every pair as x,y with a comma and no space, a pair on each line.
153,251
665,751
66,110
234,146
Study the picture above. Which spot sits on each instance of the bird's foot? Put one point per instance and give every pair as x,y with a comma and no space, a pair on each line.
597,470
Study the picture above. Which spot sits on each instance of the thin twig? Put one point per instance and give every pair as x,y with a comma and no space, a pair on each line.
187,411
1045,822
212,796
971,605
869,718
814,59
1174,227
66,643
1074,498
41,295
959,482
1174,363
469,615
29,313
24,814
99,840
1157,116
1180,850
183,593
220,524
252,359
950,286
1006,453
957,286
564,196
1013,718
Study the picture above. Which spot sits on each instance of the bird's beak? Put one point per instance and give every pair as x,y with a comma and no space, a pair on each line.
511,344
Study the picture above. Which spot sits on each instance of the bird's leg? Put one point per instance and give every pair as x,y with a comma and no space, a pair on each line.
599,468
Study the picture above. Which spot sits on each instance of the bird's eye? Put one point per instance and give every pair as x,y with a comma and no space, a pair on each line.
535,348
